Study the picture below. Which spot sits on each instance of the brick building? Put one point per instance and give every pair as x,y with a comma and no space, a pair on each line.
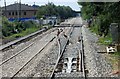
19,11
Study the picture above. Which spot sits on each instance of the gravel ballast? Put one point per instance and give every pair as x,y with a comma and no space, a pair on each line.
12,66
43,64
96,64
16,48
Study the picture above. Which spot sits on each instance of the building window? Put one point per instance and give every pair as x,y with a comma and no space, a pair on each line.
24,13
12,13
9,13
34,13
16,13
19,13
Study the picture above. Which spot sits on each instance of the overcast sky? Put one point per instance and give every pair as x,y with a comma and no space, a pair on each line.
72,3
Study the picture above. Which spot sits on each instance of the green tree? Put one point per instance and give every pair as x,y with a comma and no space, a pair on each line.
107,13
50,9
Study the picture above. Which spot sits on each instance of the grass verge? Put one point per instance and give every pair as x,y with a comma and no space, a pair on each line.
105,40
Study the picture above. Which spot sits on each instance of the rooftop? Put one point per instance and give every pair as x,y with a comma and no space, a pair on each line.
16,6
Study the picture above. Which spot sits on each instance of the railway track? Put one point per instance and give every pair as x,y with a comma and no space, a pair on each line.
60,55
25,59
80,59
32,57
8,45
39,33
18,63
16,54
31,44
8,63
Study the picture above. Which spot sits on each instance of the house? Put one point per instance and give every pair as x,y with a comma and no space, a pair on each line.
19,11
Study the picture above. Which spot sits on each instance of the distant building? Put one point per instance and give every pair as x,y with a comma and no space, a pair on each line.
52,20
20,11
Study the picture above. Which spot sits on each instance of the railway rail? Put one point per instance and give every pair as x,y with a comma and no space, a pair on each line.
32,57
9,44
21,52
35,49
16,54
4,61
28,60
60,55
81,56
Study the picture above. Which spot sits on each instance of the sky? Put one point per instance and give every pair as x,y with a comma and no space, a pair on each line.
72,3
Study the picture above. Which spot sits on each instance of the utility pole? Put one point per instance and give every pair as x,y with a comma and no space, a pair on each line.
17,5
34,9
34,3
20,9
5,7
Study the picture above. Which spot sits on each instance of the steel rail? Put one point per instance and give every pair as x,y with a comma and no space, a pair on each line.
33,57
83,58
61,54
9,44
18,52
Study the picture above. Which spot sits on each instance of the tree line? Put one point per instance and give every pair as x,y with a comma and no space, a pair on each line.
102,14
50,9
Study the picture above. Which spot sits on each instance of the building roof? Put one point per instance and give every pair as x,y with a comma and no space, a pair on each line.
16,6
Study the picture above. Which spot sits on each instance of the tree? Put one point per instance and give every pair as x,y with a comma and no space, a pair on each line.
50,9
107,13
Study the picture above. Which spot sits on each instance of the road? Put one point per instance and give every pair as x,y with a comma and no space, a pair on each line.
38,57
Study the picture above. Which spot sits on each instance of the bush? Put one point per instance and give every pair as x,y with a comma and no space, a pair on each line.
10,28
7,28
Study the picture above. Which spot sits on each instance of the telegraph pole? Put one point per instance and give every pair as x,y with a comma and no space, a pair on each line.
34,9
20,9
5,7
